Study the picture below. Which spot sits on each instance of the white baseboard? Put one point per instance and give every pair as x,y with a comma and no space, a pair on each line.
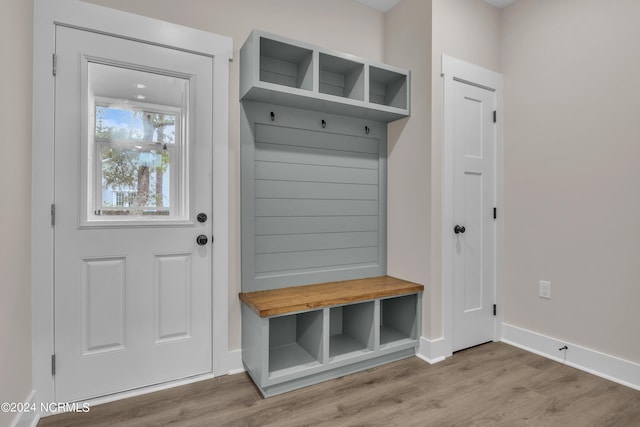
431,351
235,362
594,362
27,418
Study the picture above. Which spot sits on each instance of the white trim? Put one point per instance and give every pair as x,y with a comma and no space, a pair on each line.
27,418
74,13
455,69
594,362
431,351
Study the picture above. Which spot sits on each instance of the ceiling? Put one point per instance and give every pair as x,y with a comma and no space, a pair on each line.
500,3
385,5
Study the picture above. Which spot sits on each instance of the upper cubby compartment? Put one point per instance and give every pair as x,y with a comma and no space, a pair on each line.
341,77
280,71
387,87
285,64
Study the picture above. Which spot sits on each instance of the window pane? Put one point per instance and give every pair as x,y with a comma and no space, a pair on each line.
135,181
115,123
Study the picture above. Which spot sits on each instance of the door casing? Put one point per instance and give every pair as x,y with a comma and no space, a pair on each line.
456,70
89,17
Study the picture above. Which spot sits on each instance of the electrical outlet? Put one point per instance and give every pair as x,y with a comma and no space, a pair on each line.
544,291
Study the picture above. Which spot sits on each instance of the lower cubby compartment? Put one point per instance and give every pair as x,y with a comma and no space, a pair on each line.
351,330
398,319
295,342
372,360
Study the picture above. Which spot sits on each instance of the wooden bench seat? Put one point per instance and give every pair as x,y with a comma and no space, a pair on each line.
300,298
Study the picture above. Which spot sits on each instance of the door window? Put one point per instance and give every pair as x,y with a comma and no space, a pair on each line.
137,152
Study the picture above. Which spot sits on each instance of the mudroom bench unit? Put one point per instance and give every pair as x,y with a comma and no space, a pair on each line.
313,136
301,335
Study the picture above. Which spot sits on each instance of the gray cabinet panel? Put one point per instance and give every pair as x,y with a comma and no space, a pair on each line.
297,207
255,338
271,189
314,156
321,224
296,261
280,79
314,139
309,333
312,173
376,92
313,199
278,72
316,241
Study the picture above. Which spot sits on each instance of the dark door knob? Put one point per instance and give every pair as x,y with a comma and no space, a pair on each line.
202,217
202,240
459,229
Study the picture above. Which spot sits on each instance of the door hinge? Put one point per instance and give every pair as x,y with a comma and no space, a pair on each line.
495,213
53,364
53,214
495,116
495,309
54,64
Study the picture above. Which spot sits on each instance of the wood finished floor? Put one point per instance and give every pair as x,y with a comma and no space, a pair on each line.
490,385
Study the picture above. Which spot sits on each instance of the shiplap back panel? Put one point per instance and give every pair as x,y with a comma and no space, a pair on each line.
278,72
314,199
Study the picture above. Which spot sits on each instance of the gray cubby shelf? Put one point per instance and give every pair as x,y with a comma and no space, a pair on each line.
281,71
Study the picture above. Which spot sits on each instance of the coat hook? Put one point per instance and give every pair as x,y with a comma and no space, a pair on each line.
366,130
273,116
324,124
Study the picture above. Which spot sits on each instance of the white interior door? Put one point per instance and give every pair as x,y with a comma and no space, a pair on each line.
133,168
474,233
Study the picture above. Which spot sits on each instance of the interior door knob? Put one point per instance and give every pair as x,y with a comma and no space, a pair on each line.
459,229
202,240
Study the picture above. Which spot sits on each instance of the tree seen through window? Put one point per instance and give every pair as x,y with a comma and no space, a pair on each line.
135,153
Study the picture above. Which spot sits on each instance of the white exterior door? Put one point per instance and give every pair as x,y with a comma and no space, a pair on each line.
133,168
474,199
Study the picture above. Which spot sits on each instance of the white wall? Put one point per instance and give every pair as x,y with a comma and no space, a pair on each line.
346,26
572,144
408,45
16,41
